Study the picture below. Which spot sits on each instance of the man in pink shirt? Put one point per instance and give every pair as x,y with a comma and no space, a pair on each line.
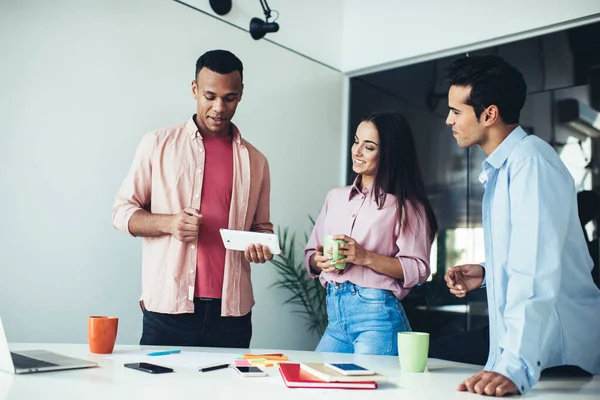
186,183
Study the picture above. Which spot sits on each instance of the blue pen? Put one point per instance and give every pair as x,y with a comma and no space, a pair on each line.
164,353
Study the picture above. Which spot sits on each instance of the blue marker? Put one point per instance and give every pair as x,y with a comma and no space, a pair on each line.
164,353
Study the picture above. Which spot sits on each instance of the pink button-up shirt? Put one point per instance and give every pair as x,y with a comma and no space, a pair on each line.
166,177
354,213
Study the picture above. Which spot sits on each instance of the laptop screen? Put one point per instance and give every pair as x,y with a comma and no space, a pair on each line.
6,363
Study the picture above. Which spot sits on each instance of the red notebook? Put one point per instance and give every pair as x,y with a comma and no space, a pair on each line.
294,377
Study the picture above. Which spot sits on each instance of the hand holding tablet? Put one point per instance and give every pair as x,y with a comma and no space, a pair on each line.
240,240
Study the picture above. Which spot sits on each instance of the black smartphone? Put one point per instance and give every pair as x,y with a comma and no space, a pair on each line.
151,368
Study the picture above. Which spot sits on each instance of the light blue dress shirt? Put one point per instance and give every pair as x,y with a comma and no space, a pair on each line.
544,308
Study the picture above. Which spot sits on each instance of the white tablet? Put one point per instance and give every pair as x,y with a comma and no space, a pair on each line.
240,240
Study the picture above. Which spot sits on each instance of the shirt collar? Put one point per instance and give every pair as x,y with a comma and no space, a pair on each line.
354,189
500,155
192,130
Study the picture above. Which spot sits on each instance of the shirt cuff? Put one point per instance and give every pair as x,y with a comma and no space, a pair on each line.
307,255
128,214
410,271
517,371
483,284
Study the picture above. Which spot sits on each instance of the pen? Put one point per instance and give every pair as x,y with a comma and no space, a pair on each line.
164,353
214,367
272,358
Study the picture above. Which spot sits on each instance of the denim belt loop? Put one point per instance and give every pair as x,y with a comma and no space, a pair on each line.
353,288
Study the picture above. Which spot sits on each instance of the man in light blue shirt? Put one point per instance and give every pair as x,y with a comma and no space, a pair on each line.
544,309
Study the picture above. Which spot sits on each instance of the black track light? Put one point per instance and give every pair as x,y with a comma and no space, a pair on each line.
221,7
258,27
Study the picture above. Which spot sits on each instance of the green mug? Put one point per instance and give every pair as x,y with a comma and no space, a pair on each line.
413,350
334,245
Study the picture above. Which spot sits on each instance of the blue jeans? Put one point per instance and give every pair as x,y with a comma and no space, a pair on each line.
362,320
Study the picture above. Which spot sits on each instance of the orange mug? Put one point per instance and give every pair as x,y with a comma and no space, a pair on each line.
102,334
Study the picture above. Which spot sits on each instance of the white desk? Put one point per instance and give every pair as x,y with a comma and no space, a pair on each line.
113,381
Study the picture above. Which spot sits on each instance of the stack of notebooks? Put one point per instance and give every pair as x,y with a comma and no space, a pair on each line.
317,375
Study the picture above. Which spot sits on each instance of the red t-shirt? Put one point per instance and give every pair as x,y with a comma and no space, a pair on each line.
214,207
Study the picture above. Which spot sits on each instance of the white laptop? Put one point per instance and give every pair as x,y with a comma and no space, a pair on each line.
25,362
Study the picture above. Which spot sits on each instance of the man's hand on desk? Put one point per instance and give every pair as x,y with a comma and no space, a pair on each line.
489,383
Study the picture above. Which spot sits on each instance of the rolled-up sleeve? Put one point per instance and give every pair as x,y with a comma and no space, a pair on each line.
135,191
315,239
414,248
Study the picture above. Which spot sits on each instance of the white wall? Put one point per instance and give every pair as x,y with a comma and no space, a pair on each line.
357,35
310,27
80,82
386,31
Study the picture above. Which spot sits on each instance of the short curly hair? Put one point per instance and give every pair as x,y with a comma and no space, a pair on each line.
219,61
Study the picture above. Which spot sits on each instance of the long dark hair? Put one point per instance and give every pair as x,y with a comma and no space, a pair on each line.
398,171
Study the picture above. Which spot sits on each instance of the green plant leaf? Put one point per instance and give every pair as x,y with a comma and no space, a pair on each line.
307,295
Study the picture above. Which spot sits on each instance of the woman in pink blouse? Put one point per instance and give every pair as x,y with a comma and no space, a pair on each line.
387,225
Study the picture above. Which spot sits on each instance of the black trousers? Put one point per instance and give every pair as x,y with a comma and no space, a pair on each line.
203,328
472,347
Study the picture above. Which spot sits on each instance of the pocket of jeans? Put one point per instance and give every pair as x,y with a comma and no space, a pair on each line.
143,307
329,304
404,323
372,296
